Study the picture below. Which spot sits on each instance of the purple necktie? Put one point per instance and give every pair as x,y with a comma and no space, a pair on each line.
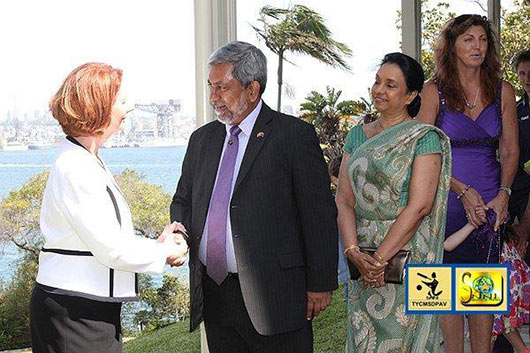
216,266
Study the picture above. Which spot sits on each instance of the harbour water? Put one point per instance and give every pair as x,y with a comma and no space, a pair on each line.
160,165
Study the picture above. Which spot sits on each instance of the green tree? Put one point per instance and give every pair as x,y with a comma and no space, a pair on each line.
333,119
301,30
433,17
514,34
20,210
148,202
432,21
167,304
14,306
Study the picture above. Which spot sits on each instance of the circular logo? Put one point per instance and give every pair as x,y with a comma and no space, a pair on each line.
483,285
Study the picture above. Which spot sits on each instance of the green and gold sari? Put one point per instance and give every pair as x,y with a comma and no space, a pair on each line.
378,171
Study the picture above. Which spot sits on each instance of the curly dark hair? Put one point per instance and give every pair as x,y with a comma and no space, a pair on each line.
445,58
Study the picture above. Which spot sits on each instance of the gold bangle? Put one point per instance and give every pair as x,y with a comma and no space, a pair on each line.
378,257
459,196
352,247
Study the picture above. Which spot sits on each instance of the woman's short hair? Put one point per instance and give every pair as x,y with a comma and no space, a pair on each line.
83,103
445,58
414,77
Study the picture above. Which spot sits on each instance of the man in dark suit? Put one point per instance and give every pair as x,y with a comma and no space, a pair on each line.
254,195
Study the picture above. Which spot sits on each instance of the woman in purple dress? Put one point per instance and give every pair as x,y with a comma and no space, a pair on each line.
468,101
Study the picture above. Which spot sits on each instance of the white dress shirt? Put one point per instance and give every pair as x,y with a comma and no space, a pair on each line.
246,127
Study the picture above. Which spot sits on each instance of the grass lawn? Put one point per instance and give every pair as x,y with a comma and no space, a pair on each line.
174,338
329,329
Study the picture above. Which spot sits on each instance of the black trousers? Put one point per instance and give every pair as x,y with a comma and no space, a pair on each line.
502,345
230,330
66,324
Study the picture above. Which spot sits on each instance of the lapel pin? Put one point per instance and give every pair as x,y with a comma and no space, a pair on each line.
260,134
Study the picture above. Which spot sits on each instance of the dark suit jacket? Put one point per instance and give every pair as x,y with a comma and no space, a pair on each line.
282,213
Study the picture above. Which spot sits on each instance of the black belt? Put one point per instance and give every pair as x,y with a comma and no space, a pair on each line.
88,253
68,252
233,275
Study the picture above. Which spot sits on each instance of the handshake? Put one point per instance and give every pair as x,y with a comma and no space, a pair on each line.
174,237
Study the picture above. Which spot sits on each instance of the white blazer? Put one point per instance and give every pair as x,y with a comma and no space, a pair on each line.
91,249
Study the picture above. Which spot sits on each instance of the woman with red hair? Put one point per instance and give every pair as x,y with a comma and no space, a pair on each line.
89,263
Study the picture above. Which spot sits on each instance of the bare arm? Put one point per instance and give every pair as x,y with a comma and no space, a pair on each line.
508,151
429,103
509,141
458,237
347,219
422,192
345,200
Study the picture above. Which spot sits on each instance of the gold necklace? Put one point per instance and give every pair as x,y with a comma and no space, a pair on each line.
471,106
382,128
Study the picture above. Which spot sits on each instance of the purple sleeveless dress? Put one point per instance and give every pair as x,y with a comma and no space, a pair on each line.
473,148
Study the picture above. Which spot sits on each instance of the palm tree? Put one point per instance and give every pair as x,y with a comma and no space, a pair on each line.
331,118
301,30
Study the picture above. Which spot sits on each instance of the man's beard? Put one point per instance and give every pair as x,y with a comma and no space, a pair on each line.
227,119
224,119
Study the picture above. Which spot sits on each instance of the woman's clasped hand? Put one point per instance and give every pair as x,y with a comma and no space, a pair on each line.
372,271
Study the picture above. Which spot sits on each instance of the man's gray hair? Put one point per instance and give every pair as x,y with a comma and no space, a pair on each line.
250,64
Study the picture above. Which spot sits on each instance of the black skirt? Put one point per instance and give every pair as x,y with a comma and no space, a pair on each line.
68,324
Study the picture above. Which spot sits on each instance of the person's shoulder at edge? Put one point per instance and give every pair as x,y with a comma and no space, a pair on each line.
286,119
429,88
429,103
287,123
207,127
353,138
507,89
71,156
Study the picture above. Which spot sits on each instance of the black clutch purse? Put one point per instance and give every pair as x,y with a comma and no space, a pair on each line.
394,271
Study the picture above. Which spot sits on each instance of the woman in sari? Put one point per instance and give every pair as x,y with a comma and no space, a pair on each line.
393,186
468,100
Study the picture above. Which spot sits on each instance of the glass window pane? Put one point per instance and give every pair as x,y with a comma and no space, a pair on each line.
367,27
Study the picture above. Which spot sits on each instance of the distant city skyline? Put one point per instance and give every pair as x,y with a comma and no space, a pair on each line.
44,40
154,45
